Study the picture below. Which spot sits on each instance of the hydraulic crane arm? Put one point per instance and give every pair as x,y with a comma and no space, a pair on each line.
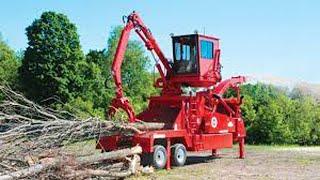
134,22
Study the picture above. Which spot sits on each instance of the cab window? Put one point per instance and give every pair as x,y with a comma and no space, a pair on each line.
185,55
206,49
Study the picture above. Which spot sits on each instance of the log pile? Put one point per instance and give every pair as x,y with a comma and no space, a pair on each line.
32,138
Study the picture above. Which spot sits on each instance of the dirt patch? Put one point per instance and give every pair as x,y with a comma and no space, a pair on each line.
261,162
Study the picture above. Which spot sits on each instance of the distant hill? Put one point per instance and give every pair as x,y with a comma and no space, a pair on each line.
297,87
308,89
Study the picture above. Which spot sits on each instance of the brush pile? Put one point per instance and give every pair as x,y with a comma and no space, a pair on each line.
32,141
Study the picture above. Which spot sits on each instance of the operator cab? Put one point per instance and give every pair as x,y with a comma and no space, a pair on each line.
196,60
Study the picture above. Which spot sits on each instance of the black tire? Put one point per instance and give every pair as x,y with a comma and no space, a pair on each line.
159,158
179,155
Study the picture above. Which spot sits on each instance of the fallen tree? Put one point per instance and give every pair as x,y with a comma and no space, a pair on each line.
31,138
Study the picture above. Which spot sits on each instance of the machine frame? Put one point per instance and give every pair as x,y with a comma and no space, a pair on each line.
197,121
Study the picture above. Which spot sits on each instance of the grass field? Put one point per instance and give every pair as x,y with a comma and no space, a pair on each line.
262,162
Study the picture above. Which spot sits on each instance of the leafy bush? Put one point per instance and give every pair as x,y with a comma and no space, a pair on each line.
273,117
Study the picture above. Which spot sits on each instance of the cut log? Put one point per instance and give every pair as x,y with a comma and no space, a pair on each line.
25,172
53,162
134,164
147,125
113,155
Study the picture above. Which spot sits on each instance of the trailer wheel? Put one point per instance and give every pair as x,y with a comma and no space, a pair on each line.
159,157
179,154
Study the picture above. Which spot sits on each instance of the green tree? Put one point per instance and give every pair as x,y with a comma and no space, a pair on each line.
315,128
53,59
302,120
249,114
96,77
265,111
9,64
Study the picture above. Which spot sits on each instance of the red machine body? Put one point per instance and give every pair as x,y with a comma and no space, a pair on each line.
197,120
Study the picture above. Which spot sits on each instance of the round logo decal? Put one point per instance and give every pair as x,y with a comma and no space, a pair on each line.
214,122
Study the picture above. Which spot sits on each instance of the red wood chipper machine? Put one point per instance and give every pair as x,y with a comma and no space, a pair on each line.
199,120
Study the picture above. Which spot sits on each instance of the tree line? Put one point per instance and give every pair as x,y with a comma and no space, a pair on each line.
275,115
54,71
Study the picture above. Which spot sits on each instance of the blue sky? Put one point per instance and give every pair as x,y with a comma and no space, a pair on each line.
275,40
